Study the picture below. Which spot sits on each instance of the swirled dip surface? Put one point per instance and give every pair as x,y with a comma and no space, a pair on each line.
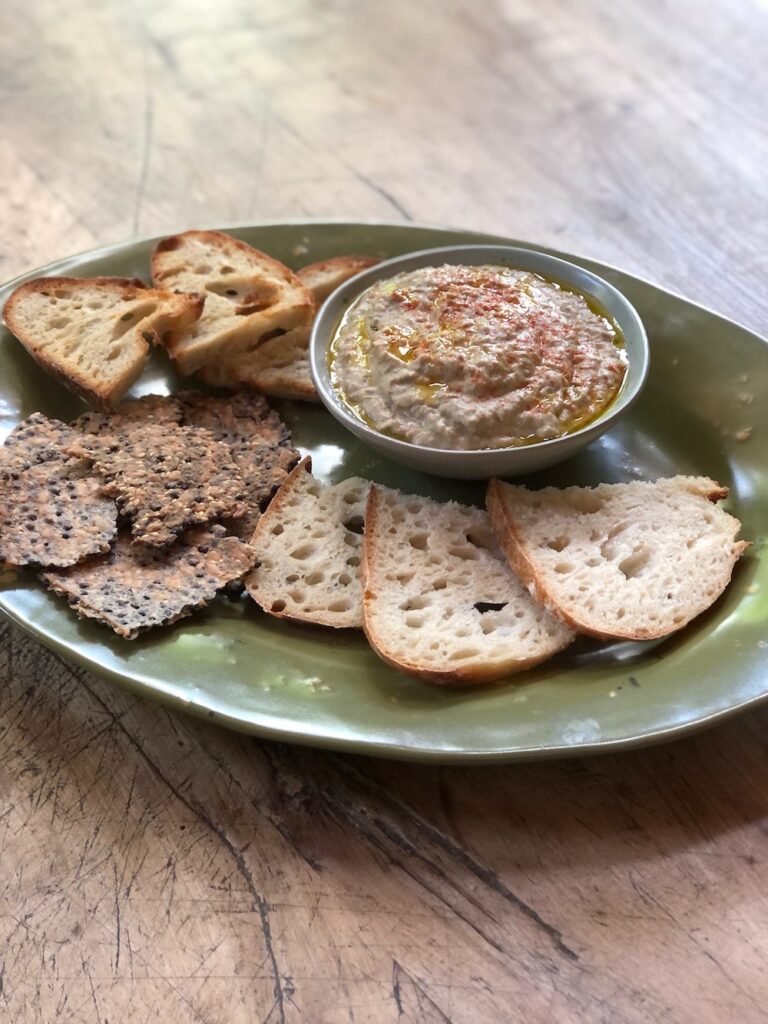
475,357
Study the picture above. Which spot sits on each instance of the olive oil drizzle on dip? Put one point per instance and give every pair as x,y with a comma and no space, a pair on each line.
462,357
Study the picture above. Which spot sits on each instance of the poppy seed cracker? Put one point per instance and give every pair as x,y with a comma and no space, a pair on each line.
51,509
36,441
165,477
136,587
259,440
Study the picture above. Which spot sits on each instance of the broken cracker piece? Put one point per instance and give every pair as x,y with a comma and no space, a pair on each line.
165,477
51,511
136,587
259,441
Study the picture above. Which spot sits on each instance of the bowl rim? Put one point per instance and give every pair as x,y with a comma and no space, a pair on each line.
349,291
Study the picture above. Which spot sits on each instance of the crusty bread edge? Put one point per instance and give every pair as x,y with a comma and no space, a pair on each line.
514,548
453,678
187,363
274,508
292,392
99,399
349,265
253,382
171,243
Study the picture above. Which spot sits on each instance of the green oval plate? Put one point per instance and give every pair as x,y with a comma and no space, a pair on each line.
704,411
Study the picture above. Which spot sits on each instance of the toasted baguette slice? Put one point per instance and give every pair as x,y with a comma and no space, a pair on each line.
93,334
279,367
629,561
325,277
308,544
439,600
248,295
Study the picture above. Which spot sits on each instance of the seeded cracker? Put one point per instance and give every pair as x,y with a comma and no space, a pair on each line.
148,409
136,587
165,478
259,440
51,511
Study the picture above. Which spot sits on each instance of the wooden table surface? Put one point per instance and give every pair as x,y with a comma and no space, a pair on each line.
155,868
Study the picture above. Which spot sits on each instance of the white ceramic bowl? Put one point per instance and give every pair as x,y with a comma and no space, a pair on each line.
479,464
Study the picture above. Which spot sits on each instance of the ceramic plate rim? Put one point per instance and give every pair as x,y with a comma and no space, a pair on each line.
361,745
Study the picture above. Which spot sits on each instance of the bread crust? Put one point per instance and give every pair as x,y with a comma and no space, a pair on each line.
467,676
325,276
275,512
283,378
281,383
258,369
512,542
187,309
293,307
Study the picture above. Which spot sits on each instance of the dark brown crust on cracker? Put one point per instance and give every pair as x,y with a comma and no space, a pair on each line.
135,588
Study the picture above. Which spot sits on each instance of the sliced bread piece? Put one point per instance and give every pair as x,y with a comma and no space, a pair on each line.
279,367
629,561
439,600
308,545
93,334
248,295
324,277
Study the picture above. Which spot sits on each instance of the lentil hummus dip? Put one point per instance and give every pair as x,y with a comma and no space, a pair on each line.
465,357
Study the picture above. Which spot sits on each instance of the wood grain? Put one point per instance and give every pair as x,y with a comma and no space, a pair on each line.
156,868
